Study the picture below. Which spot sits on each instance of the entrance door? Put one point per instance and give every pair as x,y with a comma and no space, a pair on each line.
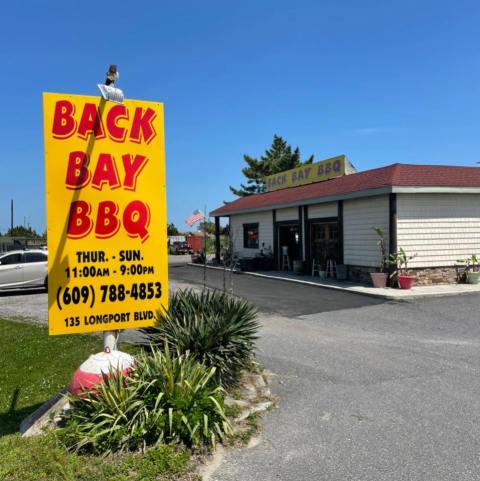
289,240
324,243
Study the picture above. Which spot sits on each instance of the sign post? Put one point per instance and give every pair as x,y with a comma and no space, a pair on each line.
106,214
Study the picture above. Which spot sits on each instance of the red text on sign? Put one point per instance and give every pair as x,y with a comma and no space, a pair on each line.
105,171
90,121
135,219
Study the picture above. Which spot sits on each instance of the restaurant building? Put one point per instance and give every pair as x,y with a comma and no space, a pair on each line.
431,211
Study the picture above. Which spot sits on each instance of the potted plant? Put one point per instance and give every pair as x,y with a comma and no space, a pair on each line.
400,260
473,275
379,279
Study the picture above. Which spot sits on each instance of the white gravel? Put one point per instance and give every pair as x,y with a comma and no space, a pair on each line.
31,306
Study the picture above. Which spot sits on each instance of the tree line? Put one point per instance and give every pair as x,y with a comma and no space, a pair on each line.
21,231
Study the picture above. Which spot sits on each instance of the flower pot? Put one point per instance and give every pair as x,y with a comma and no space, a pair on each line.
379,279
322,274
473,277
405,282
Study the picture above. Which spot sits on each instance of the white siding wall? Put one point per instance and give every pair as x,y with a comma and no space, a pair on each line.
329,209
290,213
265,231
439,228
360,241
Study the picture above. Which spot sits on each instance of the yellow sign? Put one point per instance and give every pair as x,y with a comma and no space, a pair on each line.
307,174
106,213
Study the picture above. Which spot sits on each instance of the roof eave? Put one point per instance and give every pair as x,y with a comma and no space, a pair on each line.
431,189
355,195
314,200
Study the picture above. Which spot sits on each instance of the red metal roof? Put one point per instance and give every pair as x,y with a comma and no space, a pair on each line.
406,175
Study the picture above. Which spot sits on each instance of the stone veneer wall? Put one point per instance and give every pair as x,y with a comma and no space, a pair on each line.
424,276
435,275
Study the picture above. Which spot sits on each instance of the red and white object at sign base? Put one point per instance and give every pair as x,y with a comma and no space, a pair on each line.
91,372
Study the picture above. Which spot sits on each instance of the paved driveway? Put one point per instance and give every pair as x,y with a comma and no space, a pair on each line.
386,392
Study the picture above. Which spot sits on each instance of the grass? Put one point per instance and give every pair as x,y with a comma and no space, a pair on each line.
245,433
42,458
252,429
34,367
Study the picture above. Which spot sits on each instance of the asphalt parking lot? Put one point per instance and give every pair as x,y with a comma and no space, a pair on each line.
383,392
368,390
273,295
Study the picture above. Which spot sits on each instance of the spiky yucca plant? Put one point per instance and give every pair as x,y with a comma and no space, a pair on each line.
219,330
166,399
193,404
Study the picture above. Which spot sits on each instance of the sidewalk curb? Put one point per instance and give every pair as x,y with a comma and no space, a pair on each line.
387,297
33,424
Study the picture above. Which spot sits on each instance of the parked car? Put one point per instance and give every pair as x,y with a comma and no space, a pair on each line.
180,248
23,269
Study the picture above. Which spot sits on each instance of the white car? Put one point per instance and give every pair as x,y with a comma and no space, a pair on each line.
23,269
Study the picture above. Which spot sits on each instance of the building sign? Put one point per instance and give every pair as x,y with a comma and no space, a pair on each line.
307,174
106,213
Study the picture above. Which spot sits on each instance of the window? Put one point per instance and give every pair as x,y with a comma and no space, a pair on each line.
250,236
35,257
11,259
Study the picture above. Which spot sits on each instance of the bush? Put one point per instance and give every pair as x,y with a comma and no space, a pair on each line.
166,399
217,329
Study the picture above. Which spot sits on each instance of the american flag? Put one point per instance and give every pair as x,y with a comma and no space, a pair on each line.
195,217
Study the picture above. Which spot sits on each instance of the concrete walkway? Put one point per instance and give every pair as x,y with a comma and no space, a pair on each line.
417,292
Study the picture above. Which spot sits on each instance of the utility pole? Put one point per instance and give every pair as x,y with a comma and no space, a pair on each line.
11,216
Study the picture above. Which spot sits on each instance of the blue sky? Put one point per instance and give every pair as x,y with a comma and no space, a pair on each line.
379,81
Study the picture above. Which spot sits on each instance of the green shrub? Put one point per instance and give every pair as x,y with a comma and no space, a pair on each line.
193,403
217,329
166,399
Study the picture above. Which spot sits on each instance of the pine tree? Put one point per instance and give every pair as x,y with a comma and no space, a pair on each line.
277,158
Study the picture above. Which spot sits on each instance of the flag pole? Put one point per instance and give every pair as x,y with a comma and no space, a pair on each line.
205,247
